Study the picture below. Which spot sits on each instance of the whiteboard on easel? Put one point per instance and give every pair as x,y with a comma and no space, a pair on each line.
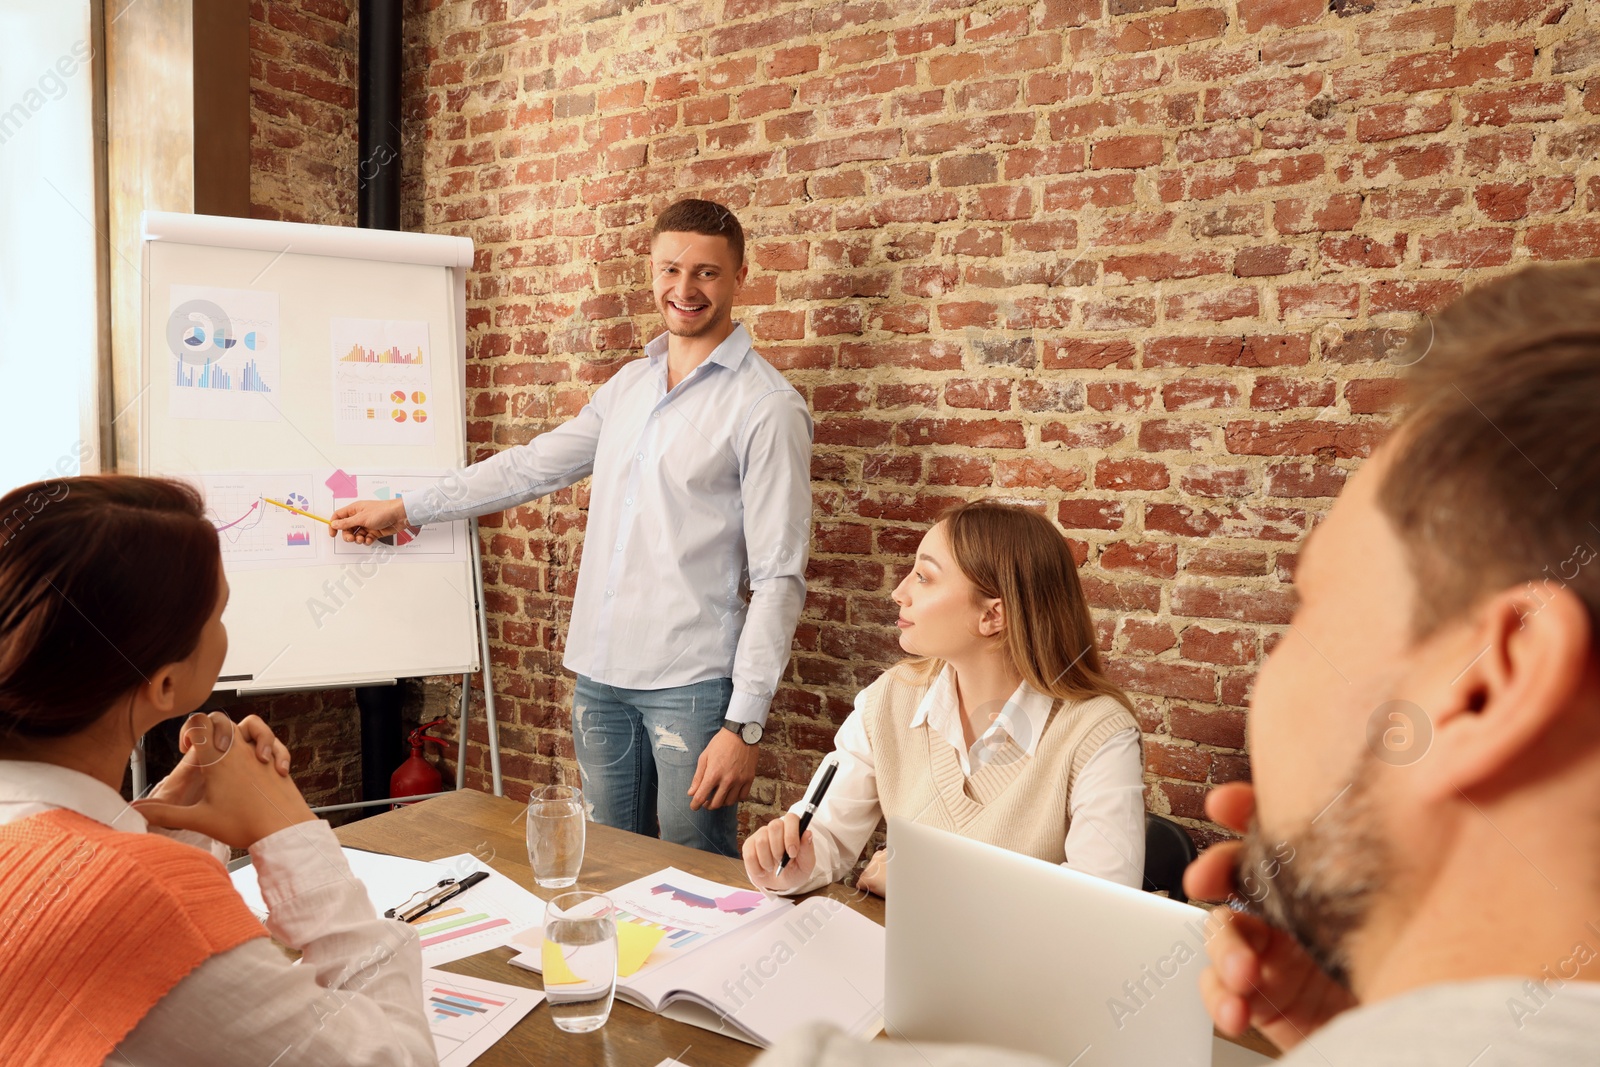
286,370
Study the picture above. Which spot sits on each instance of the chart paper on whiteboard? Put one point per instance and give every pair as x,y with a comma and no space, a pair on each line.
254,533
382,382
222,354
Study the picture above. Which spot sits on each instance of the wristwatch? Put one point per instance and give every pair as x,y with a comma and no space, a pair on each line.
749,732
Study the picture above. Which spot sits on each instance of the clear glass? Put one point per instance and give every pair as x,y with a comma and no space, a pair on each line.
555,835
581,932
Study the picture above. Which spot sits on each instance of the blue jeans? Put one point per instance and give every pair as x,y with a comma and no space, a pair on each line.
638,748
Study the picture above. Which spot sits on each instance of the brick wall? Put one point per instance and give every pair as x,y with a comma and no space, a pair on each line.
1140,265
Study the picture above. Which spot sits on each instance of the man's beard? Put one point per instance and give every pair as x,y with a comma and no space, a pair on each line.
1318,885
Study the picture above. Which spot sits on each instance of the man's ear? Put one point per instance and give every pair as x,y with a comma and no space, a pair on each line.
1520,665
993,619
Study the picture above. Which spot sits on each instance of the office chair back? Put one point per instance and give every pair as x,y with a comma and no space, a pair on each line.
1167,851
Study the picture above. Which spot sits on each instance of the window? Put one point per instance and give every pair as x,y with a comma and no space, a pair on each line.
50,302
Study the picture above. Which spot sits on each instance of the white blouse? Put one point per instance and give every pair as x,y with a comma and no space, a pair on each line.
1105,835
355,997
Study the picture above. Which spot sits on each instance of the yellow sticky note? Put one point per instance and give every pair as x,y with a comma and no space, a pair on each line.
634,945
556,971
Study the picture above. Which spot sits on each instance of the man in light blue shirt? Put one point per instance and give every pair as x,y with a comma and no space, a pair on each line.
694,557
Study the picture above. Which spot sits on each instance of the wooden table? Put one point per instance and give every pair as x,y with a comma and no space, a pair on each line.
491,828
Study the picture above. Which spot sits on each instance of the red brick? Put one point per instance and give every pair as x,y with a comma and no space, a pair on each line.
1223,729
1261,350
1204,479
1256,15
1269,606
1303,438
977,433
1080,514
1384,122
1228,647
1187,393
1173,435
1036,474
1145,636
1157,560
1126,474
960,470
1125,152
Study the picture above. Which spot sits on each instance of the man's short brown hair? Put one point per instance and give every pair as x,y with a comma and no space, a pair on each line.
1495,479
704,217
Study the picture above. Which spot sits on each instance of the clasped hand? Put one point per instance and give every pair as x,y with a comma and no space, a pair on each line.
232,784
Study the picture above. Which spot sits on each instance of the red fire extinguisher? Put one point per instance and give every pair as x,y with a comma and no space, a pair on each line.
416,776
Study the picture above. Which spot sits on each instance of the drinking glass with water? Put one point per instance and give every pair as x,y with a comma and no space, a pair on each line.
555,835
580,960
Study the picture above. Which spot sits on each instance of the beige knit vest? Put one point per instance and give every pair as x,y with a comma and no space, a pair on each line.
1014,800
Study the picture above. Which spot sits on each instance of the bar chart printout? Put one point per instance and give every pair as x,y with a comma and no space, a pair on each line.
222,347
467,1015
382,382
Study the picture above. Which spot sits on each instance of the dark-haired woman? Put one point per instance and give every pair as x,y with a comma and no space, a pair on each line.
123,942
1001,726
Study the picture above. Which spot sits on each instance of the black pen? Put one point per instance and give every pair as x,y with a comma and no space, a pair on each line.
811,806
447,889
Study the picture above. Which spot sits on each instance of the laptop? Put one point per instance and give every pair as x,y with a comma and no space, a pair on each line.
992,947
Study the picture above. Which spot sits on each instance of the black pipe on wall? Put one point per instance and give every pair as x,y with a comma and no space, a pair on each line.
378,114
378,207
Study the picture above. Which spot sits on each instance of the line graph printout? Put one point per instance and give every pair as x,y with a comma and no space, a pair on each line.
382,382
253,532
222,353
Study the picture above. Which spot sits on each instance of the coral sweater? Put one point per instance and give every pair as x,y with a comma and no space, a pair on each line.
94,918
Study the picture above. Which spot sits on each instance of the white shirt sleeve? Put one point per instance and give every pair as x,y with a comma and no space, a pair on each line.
553,460
1105,836
355,997
775,487
850,812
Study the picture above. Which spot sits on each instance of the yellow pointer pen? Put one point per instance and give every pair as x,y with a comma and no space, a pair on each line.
319,518
297,511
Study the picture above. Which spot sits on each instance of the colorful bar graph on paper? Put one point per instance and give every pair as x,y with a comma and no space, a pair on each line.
452,1003
392,354
428,929
450,935
676,936
298,538
435,916
212,376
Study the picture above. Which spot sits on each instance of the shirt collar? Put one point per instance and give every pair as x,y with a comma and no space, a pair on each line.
1023,718
730,353
28,782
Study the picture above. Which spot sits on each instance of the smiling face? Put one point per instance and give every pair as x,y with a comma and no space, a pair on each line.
942,614
695,280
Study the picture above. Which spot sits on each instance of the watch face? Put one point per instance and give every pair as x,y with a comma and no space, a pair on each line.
751,732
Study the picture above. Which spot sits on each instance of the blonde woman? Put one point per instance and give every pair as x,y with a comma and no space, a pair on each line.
1001,726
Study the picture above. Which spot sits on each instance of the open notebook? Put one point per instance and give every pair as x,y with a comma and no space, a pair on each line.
736,961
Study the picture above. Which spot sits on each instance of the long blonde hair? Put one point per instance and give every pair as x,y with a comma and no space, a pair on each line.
1018,557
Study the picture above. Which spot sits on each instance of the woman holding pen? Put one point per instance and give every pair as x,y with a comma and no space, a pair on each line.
1001,725
124,941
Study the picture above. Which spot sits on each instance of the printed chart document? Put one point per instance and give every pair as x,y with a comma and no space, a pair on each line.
276,518
222,350
739,962
484,917
467,1015
382,382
